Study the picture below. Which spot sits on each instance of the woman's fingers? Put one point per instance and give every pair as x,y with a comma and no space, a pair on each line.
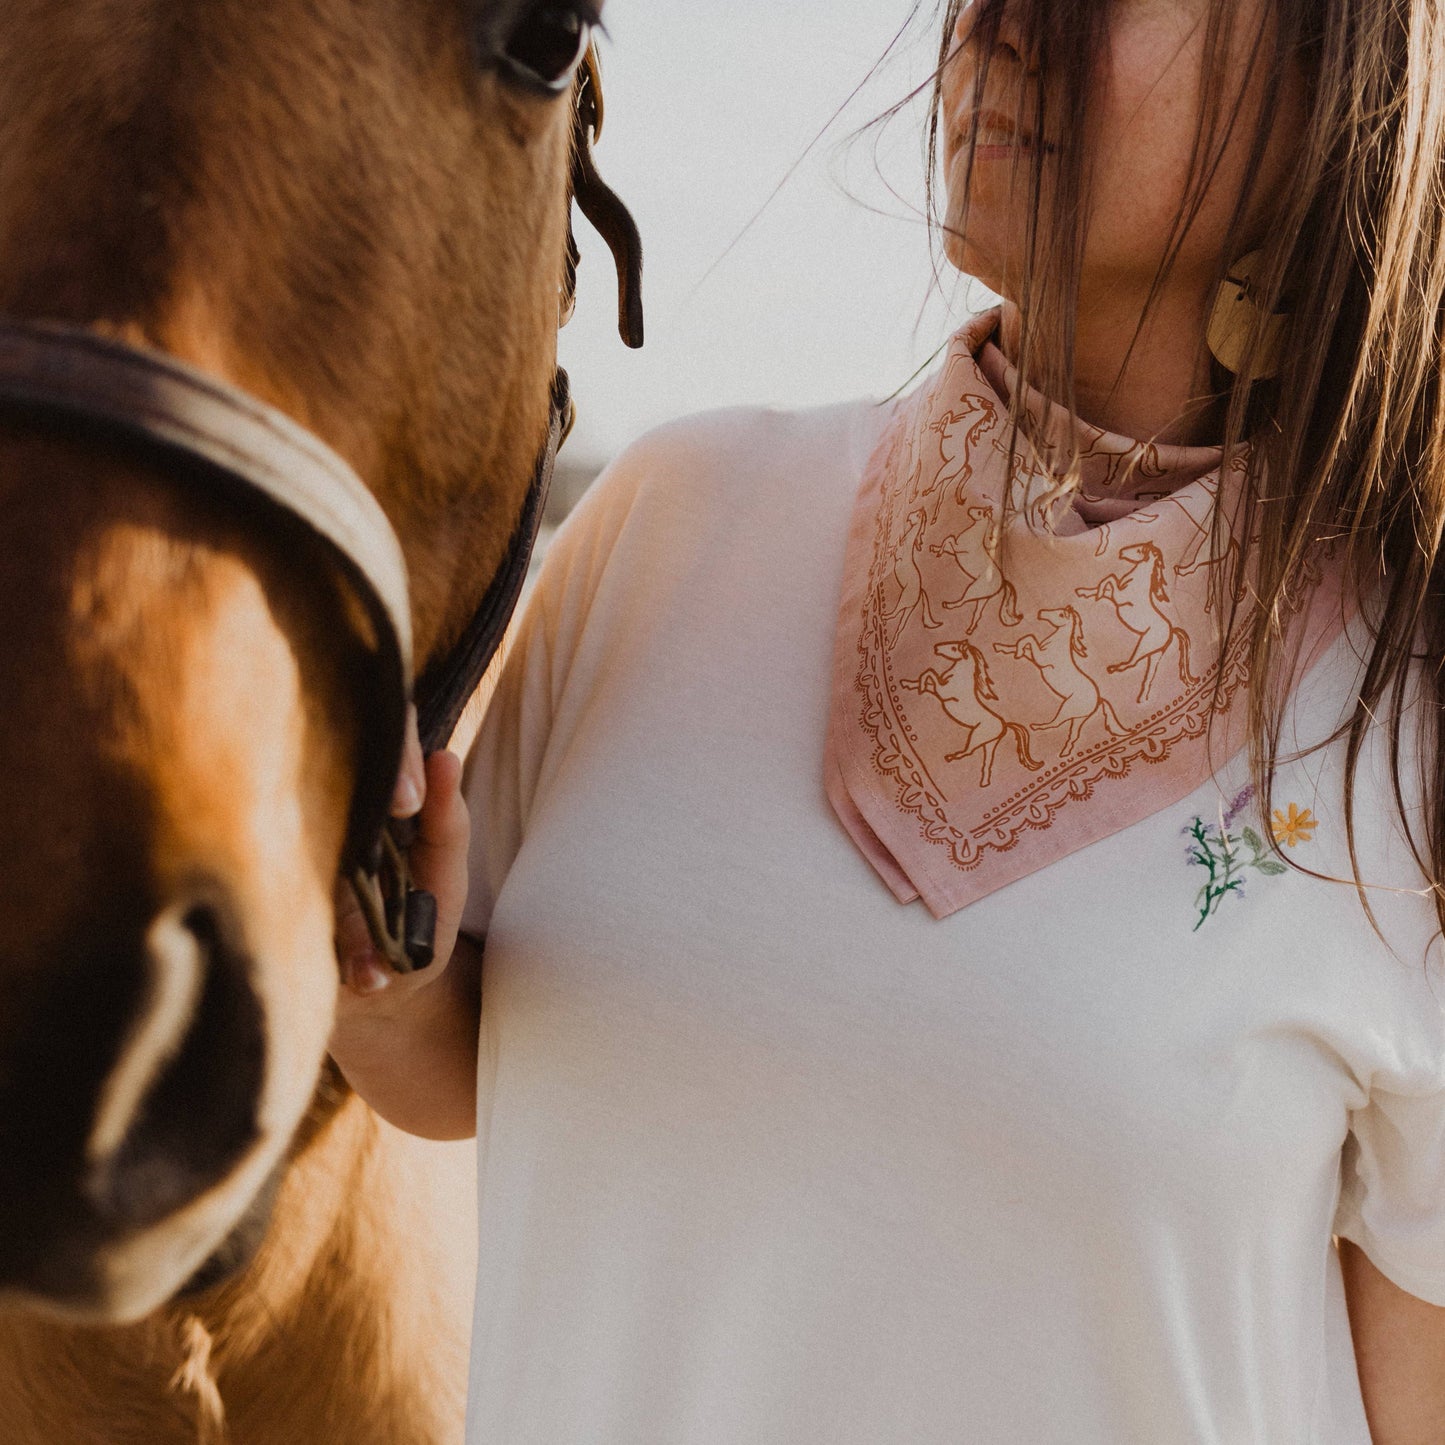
438,859
439,855
363,970
445,826
410,792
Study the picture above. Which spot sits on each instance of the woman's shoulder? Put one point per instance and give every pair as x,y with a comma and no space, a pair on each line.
735,456
695,485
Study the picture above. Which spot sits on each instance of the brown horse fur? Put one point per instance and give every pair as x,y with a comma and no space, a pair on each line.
328,203
345,1330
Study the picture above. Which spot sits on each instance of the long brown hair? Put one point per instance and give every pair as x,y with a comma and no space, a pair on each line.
1351,433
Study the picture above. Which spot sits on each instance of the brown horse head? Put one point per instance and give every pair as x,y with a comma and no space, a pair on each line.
356,210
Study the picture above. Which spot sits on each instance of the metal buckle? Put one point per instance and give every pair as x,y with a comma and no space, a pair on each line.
402,920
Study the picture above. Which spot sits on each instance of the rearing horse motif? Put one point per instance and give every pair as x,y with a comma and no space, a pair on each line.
1057,658
964,689
1139,596
911,595
976,551
958,432
1206,550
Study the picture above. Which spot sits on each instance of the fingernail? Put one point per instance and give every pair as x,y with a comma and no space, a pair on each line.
368,977
408,797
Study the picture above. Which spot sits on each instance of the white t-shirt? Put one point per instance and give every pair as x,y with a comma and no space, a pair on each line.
766,1157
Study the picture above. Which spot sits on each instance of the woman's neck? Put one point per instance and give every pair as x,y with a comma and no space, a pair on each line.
1150,383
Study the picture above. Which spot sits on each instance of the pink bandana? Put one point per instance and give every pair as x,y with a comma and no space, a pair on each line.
1021,669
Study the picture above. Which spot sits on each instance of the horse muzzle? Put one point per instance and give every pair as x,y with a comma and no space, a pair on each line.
132,1108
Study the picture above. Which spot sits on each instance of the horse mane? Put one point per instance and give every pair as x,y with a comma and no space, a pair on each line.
1158,588
1077,646
987,415
983,679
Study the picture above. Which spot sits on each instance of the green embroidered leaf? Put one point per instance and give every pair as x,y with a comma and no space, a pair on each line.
1228,857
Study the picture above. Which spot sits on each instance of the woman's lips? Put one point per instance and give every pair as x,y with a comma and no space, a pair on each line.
1000,150
995,137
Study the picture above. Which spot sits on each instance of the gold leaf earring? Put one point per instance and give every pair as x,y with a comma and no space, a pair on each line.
1241,332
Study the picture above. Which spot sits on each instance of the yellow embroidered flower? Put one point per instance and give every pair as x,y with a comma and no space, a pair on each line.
1294,827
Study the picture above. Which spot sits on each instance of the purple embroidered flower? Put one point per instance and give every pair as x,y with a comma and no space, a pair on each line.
1242,800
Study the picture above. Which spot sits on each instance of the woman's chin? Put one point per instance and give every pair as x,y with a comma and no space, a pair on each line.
974,261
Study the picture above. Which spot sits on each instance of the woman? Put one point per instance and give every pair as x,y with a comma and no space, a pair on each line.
973,1012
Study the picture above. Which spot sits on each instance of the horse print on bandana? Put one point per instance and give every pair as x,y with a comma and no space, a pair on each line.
1024,666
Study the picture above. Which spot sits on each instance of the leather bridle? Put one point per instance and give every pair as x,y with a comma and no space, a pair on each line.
221,436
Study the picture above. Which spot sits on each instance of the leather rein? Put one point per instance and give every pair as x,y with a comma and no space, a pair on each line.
222,436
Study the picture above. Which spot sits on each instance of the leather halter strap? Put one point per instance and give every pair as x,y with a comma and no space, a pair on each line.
447,684
55,373
606,211
231,440
235,441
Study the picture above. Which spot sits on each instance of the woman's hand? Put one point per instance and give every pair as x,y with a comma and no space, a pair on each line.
407,1043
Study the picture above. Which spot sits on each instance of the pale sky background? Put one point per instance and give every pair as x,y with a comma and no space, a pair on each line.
709,105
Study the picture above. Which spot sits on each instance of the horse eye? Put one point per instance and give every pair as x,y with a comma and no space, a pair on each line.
548,45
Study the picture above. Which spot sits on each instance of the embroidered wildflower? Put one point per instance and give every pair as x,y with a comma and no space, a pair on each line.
1241,801
1293,827
1228,859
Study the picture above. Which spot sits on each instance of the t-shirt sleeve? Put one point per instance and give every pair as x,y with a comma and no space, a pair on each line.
1392,1195
517,741
505,760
